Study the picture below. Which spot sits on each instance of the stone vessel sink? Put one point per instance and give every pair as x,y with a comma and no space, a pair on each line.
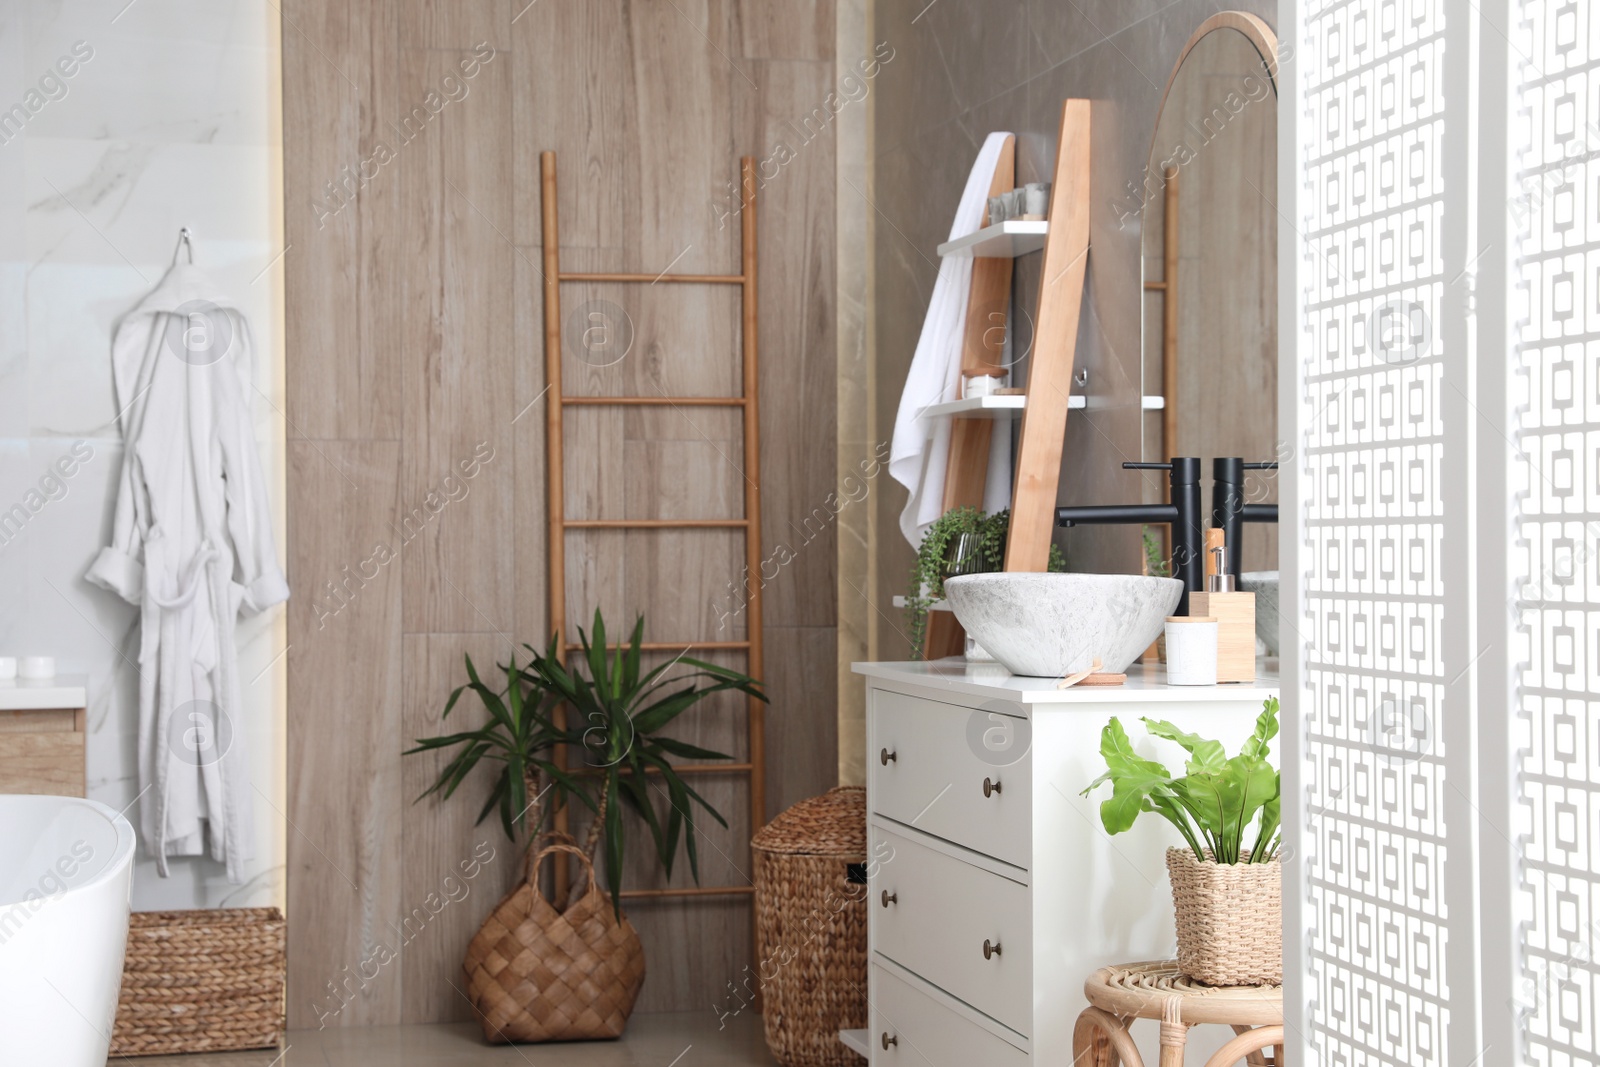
1264,584
1049,625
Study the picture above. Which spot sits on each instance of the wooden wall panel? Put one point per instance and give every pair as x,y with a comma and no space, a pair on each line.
454,871
685,146
791,109
415,324
594,127
458,393
344,784
335,387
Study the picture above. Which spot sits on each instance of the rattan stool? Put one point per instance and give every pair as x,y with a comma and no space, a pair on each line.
1124,992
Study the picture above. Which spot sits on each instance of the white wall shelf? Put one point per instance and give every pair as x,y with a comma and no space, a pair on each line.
1005,240
937,605
1008,406
1011,405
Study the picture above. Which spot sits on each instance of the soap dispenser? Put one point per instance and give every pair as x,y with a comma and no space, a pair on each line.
1234,610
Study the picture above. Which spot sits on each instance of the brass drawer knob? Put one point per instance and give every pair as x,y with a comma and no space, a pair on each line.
990,948
889,898
990,787
887,1041
886,757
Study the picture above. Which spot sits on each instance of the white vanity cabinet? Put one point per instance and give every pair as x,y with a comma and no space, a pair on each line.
994,890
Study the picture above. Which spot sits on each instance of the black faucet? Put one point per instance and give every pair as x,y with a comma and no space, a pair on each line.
1229,511
1182,513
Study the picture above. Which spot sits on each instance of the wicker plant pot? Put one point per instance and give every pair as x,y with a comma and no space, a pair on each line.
1230,919
811,928
201,981
537,974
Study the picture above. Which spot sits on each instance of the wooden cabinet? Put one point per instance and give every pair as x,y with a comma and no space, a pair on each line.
994,890
42,733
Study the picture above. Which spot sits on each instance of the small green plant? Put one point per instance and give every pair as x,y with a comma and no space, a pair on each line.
1154,562
611,737
1213,804
933,564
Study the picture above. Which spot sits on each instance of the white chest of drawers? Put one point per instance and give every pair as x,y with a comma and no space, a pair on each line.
994,890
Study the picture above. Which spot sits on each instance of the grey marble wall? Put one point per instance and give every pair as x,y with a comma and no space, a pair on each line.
961,69
167,119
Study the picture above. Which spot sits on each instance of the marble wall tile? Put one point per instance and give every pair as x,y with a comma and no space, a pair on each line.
914,89
167,119
985,47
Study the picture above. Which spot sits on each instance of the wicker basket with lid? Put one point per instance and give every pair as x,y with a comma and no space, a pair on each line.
811,924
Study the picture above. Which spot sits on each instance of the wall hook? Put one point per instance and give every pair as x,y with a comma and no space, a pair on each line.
185,242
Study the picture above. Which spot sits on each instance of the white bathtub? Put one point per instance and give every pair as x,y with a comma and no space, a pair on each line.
66,866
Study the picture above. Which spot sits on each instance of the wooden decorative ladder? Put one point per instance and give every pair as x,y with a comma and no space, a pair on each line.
559,524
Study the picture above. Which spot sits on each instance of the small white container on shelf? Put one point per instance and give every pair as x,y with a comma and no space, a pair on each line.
37,668
976,385
1191,650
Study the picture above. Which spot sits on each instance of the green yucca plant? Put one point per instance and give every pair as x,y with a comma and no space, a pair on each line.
611,734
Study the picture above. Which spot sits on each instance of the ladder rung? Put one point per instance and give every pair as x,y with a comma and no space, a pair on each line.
686,279
652,524
671,646
658,401
681,768
690,891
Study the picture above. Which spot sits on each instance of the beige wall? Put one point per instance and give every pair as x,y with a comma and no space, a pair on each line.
413,344
862,443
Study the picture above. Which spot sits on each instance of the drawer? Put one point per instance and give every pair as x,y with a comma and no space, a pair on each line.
42,763
928,765
928,1034
936,916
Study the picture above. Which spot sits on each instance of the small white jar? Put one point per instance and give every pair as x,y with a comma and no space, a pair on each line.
1191,650
976,385
36,668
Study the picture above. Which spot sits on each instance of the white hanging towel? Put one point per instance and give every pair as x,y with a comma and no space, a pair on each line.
920,453
191,545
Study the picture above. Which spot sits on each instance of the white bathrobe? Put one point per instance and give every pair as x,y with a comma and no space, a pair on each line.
191,545
919,455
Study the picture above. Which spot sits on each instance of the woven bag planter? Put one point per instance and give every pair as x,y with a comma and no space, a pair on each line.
537,974
1230,919
811,928
201,981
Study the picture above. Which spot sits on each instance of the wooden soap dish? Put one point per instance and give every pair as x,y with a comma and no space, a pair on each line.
1092,676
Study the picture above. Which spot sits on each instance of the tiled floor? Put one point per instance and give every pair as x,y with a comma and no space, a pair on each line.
690,1039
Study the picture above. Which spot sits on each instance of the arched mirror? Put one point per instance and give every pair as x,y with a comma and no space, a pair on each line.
1210,233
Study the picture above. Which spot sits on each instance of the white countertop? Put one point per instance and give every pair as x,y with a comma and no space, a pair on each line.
992,681
62,691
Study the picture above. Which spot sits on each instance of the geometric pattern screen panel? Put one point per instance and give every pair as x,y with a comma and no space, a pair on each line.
1554,389
1370,77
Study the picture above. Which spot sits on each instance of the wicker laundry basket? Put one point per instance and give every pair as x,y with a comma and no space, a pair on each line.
201,981
1230,919
811,927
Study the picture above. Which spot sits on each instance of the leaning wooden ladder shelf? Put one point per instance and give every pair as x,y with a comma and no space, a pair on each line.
557,401
1044,413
